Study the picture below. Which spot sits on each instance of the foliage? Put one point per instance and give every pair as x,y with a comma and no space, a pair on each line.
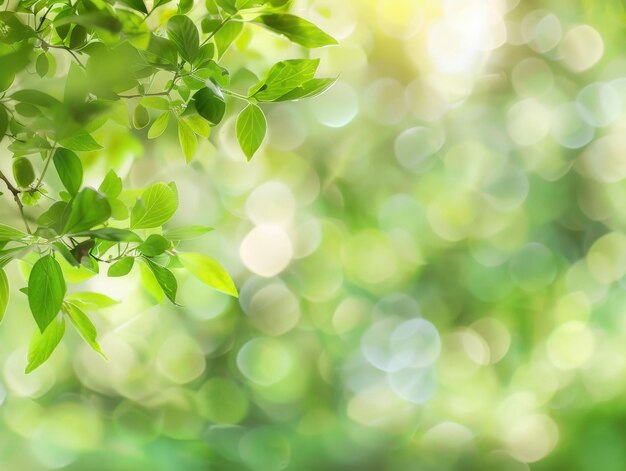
95,60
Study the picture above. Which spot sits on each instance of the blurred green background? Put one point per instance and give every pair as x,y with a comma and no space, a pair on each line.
431,259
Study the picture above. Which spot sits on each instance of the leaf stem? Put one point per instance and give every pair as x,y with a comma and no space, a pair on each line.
45,167
16,196
219,27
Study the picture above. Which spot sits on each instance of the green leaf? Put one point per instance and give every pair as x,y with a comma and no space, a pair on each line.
210,104
35,97
154,245
225,37
42,65
122,267
209,271
155,102
10,233
23,172
111,234
251,129
78,36
296,29
111,185
186,233
136,5
155,207
46,289
184,6
4,121
70,170
165,278
89,301
81,141
88,209
84,326
310,89
183,32
283,77
4,293
159,126
198,125
141,117
187,139
43,344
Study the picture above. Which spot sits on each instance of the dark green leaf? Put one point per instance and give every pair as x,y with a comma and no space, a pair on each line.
88,209
46,289
136,5
111,234
165,278
183,32
210,104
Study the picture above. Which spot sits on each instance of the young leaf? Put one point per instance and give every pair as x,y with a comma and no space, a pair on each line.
183,32
310,89
4,293
69,168
251,129
159,126
88,300
156,102
122,267
141,118
165,278
198,125
284,77
155,207
296,29
111,234
88,209
10,233
46,290
111,185
225,37
23,172
210,104
187,139
154,245
84,326
82,141
186,233
43,344
209,271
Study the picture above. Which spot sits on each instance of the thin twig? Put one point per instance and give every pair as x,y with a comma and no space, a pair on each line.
16,196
